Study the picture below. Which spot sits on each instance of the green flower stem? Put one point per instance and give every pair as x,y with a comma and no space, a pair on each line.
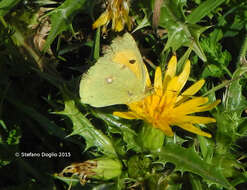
242,70
3,21
214,89
243,51
96,52
152,139
227,71
106,168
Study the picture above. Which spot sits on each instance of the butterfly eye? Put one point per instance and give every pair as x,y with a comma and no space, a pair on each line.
132,61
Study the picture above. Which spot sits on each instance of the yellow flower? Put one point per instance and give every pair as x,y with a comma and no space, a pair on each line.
167,106
118,12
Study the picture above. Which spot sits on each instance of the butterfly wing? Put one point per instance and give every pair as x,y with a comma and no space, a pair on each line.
108,83
125,51
119,77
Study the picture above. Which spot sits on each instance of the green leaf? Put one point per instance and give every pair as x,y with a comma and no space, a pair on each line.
229,116
207,148
61,19
2,124
129,135
242,178
7,5
188,160
144,22
242,129
83,127
138,166
230,166
203,10
9,145
218,60
234,20
226,134
213,71
180,33
96,51
164,182
235,101
105,169
195,182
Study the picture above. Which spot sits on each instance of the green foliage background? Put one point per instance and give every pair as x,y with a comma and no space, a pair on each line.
45,46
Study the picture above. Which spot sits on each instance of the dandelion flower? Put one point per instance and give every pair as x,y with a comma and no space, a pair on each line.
118,12
167,106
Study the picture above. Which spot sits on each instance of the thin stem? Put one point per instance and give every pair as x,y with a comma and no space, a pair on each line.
149,62
3,21
214,89
243,51
227,71
222,85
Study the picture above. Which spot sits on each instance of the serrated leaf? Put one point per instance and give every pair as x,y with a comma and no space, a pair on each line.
129,135
226,133
83,127
144,22
188,160
195,182
242,129
159,182
61,19
234,100
229,117
217,58
203,10
213,71
180,33
7,5
234,20
242,178
138,166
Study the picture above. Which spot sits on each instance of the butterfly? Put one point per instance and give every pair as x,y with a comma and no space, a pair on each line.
118,77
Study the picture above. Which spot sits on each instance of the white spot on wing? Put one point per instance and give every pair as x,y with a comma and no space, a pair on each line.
109,80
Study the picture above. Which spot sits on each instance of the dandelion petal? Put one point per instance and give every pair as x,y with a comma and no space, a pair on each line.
126,115
191,128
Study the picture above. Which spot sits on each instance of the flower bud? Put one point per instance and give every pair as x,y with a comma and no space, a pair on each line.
100,168
152,139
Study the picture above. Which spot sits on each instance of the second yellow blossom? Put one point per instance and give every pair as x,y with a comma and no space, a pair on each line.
118,12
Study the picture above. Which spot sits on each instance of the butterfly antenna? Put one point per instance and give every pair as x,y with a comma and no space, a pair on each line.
150,63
